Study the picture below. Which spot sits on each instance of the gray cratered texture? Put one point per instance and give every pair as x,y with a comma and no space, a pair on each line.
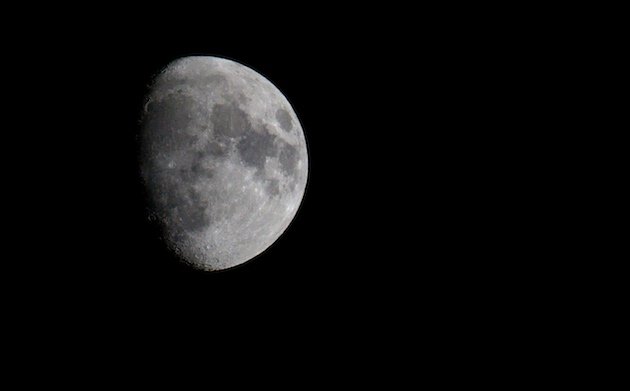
224,160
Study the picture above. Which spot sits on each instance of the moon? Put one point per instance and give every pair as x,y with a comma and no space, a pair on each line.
224,161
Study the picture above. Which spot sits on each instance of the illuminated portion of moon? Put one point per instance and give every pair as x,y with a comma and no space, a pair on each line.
224,161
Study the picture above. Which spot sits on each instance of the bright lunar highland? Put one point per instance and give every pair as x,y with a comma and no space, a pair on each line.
224,161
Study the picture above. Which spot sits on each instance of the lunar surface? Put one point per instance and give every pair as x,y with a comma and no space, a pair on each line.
224,161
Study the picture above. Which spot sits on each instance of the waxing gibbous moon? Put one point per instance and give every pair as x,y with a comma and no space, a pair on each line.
224,161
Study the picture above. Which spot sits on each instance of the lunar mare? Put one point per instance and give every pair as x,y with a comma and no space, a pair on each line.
224,161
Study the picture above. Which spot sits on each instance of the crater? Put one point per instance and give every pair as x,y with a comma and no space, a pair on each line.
284,119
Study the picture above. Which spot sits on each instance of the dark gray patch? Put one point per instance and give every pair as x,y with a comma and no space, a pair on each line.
194,168
273,186
255,147
288,158
215,80
198,170
187,208
216,149
193,211
186,174
243,98
167,123
284,119
230,121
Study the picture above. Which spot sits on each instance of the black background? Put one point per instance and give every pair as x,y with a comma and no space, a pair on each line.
400,121
431,229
